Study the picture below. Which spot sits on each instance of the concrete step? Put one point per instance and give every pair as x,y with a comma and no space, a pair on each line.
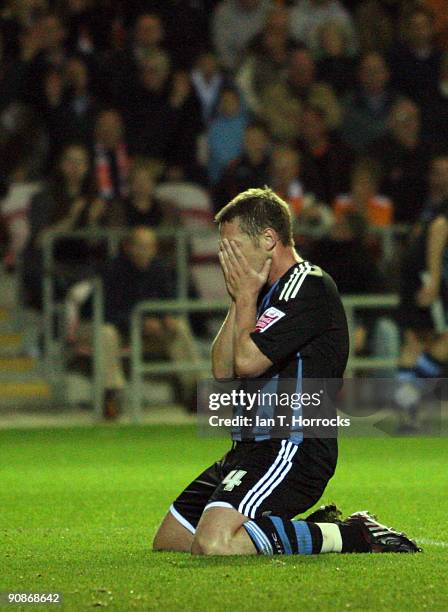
31,389
10,344
5,314
17,364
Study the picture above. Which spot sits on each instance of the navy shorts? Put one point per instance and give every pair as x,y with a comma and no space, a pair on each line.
275,477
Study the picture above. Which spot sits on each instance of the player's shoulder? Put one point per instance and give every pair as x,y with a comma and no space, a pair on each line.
303,280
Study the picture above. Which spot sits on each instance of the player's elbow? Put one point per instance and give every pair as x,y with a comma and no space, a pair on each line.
242,368
247,368
222,373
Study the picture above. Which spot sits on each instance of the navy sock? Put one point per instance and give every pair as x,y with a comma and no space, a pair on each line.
273,535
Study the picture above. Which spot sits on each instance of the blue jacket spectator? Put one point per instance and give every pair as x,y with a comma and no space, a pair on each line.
226,134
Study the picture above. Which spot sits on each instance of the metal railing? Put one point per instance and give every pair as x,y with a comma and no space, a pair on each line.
113,237
140,368
52,312
366,302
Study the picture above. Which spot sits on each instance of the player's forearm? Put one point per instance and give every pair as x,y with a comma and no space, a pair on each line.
222,348
245,320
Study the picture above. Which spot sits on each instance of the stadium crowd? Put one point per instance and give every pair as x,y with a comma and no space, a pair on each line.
339,105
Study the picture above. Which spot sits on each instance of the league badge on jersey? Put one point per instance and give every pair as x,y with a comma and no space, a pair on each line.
268,318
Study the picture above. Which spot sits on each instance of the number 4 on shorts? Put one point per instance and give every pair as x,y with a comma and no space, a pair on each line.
233,479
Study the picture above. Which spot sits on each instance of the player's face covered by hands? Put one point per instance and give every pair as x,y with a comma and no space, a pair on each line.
245,264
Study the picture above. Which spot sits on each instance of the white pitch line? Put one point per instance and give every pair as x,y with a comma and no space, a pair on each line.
432,542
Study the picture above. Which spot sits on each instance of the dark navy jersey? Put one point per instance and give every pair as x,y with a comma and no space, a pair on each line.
302,328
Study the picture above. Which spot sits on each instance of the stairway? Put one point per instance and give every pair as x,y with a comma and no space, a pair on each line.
22,384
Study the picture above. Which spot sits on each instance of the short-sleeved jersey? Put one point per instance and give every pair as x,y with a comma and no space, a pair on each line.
302,328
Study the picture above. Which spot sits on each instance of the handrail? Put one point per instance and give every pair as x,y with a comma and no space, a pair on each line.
113,237
139,368
182,236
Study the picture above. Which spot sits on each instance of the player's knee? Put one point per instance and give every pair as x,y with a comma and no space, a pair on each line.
159,543
204,544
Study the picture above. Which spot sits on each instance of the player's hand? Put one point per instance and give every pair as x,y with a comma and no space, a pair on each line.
427,295
240,277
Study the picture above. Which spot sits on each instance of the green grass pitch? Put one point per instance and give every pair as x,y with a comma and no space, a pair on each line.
79,507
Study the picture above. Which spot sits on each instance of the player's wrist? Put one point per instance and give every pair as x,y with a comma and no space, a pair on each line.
246,298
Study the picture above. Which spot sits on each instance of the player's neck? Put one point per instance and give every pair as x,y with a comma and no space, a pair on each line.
281,262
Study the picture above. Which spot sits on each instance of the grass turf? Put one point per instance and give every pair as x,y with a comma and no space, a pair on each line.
79,507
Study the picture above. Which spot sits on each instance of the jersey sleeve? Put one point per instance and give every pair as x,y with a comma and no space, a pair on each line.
287,327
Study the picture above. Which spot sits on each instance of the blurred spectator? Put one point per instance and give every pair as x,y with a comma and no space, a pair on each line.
434,109
374,26
149,117
119,70
208,80
327,161
148,37
438,9
67,106
364,197
235,23
89,25
251,169
226,134
267,58
182,156
68,202
437,186
307,16
415,62
12,75
134,276
344,254
336,64
403,158
111,161
163,115
286,180
45,51
80,104
142,207
282,103
52,108
23,141
9,30
24,13
185,19
14,207
367,108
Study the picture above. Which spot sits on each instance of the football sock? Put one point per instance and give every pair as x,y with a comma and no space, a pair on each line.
273,535
331,537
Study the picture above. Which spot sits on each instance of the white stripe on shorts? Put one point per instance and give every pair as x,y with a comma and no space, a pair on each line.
269,481
183,521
